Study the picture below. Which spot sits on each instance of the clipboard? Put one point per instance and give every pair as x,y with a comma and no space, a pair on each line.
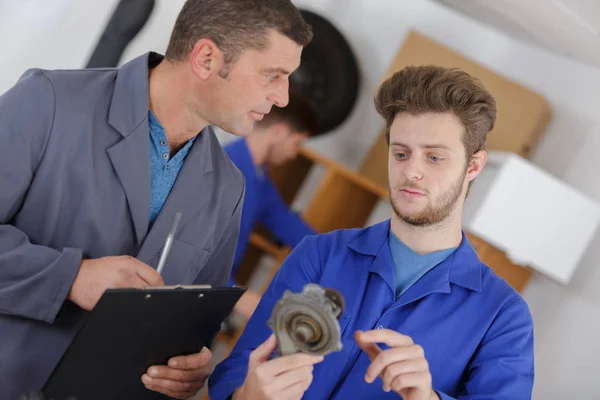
132,329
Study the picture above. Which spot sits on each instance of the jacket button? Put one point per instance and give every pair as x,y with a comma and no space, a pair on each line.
380,327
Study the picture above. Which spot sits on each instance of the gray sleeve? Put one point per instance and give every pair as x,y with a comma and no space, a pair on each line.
221,259
34,280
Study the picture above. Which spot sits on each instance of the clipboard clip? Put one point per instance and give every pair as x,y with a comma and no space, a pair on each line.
170,287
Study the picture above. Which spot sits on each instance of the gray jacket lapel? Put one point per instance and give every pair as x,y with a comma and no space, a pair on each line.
130,157
131,160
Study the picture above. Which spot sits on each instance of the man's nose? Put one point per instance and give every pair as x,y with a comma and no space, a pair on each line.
413,170
281,94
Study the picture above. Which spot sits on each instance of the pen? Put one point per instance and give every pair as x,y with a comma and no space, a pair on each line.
168,243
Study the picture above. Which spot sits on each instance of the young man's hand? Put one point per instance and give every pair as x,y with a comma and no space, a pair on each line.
283,378
182,377
403,367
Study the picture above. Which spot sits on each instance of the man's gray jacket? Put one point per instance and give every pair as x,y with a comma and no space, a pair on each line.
75,183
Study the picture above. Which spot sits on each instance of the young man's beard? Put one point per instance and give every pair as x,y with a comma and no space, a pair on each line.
435,212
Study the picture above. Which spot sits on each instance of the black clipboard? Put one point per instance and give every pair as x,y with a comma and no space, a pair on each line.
132,329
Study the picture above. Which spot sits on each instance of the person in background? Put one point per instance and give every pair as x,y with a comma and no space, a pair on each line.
424,318
95,163
274,141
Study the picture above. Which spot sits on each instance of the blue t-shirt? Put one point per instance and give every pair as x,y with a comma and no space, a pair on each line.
163,168
410,266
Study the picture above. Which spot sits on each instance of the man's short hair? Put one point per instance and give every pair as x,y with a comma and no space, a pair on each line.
298,114
429,88
235,26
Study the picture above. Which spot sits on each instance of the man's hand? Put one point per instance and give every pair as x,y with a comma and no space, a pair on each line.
403,367
283,378
182,378
97,275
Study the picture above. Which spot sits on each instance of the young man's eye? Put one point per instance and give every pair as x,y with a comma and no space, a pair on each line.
435,158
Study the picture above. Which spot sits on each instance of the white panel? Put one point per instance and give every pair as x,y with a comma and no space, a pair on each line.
535,218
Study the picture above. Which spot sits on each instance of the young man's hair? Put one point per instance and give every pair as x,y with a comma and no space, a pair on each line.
298,114
235,26
422,89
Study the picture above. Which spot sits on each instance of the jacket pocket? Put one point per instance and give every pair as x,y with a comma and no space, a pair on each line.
184,262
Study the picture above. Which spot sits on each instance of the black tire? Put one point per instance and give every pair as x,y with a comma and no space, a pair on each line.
328,74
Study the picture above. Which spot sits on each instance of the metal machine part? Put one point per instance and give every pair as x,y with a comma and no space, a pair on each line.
307,322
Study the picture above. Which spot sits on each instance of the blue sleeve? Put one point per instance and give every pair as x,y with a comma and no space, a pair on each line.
287,226
503,365
302,266
231,281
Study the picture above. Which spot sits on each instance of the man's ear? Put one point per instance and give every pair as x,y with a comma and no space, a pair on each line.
476,164
206,58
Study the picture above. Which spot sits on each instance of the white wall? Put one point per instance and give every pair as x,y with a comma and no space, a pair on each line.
566,318
48,34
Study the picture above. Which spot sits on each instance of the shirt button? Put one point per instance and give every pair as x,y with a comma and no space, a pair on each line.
167,166
380,327
163,142
165,156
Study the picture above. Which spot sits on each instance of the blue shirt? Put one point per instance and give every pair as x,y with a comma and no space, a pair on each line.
163,169
262,203
476,330
409,266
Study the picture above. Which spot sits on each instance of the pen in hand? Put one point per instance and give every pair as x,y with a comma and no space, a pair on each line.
168,243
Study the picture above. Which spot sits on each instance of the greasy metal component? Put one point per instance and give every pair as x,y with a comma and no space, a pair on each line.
308,321
337,299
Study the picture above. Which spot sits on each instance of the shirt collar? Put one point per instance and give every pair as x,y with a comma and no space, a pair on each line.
462,267
158,134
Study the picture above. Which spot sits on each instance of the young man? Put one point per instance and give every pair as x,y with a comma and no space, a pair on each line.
424,318
275,140
95,164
